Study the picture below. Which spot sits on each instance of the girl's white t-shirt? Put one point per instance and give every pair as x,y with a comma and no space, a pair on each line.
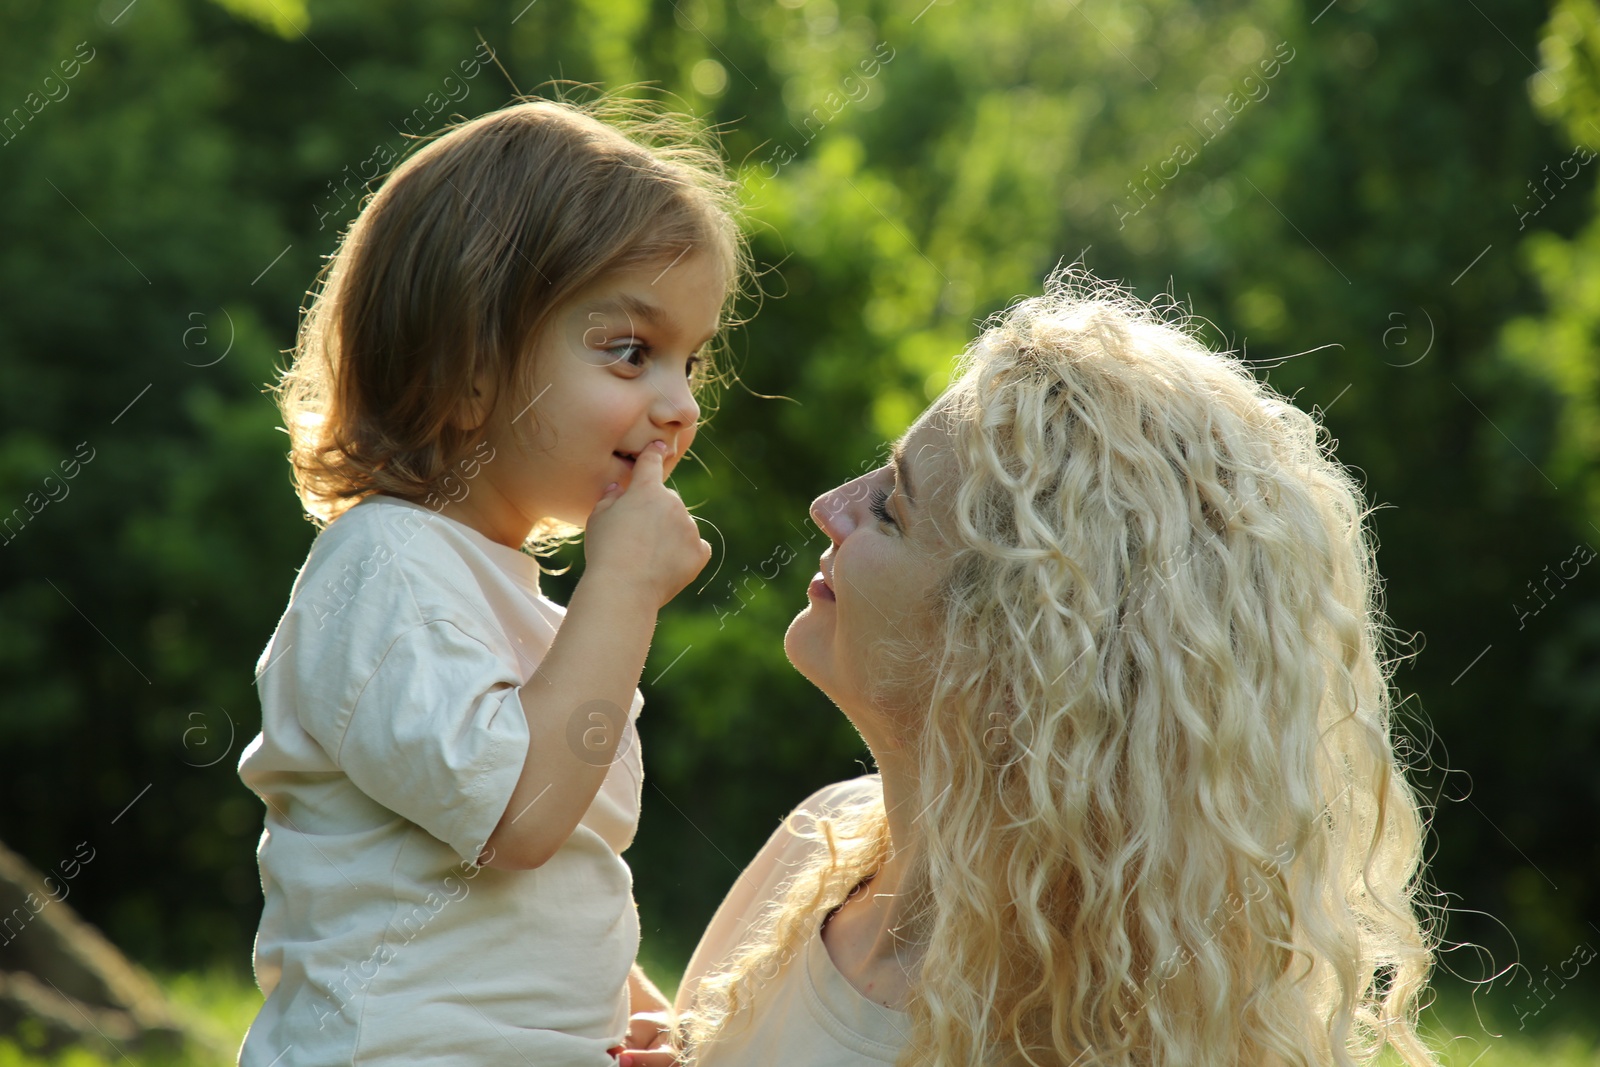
391,738
807,1014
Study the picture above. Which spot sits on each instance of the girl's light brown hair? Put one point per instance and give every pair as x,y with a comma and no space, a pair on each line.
459,259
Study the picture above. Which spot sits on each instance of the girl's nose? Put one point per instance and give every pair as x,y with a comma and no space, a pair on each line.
676,405
832,512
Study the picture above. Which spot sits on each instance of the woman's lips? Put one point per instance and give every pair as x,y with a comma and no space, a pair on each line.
818,589
626,459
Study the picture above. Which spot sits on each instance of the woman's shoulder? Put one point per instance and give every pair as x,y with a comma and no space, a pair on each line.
787,851
831,801
799,838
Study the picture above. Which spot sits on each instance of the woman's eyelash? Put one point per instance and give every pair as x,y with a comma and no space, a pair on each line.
879,505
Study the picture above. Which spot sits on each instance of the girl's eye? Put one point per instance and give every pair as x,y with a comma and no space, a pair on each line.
695,363
629,351
879,506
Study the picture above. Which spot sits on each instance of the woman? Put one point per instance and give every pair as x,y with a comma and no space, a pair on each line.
1109,625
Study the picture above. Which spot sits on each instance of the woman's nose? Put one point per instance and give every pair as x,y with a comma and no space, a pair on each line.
832,513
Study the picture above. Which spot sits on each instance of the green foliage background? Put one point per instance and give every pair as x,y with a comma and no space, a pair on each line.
1364,231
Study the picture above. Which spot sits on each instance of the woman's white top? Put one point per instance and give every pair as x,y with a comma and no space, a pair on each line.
807,1015
391,738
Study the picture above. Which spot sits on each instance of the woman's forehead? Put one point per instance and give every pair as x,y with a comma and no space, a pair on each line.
928,437
924,462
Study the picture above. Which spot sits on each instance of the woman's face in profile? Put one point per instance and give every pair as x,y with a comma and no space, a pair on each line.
886,556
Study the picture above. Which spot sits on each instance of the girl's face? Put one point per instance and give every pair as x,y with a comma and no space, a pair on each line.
887,555
611,374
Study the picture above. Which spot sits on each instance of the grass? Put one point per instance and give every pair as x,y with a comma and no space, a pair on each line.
219,1004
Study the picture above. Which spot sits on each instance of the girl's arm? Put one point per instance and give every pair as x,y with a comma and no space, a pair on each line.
589,675
641,548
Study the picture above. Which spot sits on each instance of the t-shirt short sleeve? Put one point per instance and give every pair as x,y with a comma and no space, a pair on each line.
437,735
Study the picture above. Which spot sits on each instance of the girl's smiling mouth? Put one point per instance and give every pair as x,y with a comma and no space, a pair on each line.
632,457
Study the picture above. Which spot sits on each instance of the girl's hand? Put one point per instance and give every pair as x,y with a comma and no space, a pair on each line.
644,537
664,1057
649,1042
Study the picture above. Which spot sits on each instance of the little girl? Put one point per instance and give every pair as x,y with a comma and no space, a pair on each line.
504,349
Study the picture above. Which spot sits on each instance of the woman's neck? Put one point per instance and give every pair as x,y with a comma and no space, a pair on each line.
869,937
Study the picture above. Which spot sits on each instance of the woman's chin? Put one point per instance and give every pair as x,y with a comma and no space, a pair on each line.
800,644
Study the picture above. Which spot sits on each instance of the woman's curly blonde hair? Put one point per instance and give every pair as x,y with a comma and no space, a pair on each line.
1162,817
